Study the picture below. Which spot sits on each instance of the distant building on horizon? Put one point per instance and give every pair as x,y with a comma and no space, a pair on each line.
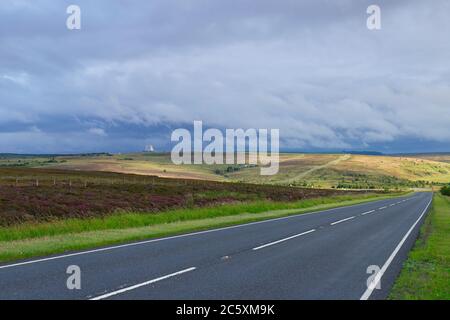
149,148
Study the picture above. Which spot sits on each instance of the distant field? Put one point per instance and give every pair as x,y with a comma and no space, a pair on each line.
304,170
440,157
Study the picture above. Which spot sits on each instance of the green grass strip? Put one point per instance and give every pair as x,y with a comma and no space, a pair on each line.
426,272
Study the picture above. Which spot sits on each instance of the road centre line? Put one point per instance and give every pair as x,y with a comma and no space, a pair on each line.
300,234
146,283
297,235
336,222
283,240
367,212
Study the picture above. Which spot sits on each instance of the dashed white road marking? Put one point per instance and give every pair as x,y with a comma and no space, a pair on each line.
283,240
366,295
336,222
364,213
107,295
382,208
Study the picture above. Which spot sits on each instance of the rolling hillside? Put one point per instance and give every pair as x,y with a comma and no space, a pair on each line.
306,170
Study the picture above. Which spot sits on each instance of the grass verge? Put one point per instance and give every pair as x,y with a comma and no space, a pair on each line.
426,272
31,240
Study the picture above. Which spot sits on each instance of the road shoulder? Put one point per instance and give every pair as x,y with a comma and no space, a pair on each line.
426,272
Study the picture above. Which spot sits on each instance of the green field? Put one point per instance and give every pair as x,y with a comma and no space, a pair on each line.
426,273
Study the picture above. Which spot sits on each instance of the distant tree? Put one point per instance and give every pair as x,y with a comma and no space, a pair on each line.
445,190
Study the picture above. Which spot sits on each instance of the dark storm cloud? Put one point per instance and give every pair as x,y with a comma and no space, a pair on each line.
137,69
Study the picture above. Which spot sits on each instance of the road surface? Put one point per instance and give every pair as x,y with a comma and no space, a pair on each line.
322,255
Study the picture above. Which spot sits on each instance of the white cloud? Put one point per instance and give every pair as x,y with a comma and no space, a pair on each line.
19,78
97,132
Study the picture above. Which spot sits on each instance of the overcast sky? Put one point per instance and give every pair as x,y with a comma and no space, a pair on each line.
138,69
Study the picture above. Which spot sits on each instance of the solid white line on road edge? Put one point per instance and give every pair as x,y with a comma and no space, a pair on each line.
178,236
382,208
107,295
366,295
283,240
363,214
332,224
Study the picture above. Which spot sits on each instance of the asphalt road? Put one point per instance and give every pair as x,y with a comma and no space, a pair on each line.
322,255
